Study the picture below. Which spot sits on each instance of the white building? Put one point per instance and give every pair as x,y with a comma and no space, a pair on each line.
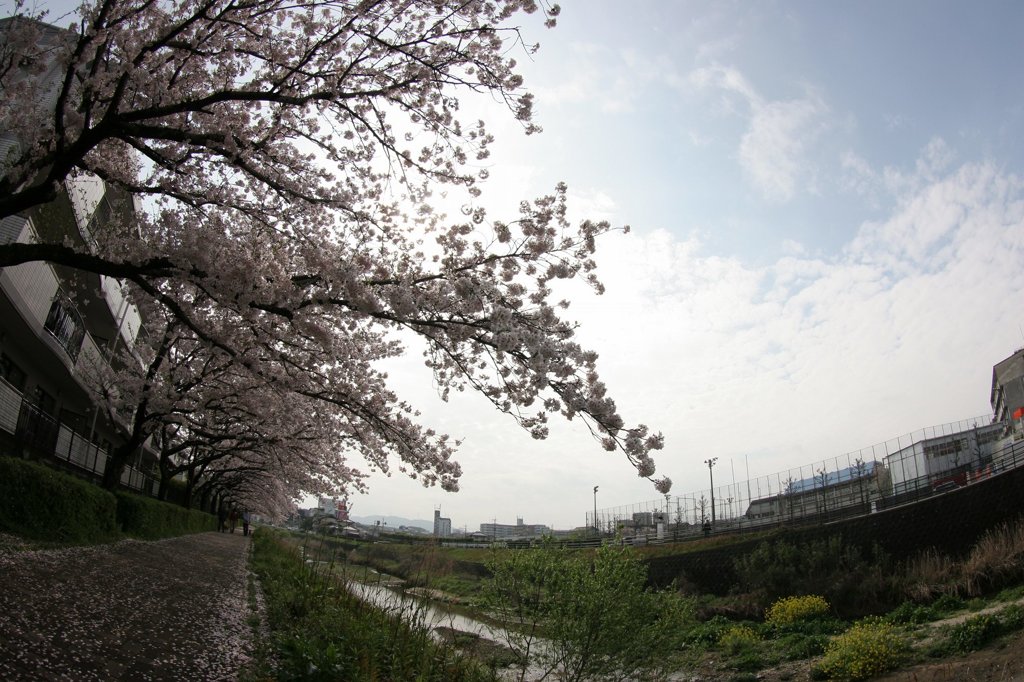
954,457
57,324
497,531
442,525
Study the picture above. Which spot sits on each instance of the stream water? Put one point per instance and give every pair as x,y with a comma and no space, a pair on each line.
421,611
433,615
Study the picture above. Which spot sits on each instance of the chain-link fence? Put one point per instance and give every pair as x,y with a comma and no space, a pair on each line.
920,464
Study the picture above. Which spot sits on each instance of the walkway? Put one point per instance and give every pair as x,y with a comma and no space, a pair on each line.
166,610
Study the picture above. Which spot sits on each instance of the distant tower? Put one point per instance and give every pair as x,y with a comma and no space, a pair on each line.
442,525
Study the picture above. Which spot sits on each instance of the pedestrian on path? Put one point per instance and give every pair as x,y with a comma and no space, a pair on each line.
233,519
246,517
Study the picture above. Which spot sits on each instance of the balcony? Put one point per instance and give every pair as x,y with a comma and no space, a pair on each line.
44,435
65,325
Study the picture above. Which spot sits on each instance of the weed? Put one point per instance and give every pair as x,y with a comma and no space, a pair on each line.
1011,594
948,603
973,634
796,646
322,631
738,638
709,632
746,661
865,650
1012,617
909,613
744,677
995,560
793,609
853,580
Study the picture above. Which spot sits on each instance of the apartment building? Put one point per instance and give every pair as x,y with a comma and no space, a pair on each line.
519,530
58,324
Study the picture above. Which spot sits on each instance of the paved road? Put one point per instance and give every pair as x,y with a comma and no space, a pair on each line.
167,610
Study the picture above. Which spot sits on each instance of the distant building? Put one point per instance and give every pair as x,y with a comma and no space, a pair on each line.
1008,392
855,485
442,525
948,458
520,530
333,507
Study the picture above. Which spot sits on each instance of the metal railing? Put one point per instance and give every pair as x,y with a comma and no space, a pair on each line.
44,435
927,462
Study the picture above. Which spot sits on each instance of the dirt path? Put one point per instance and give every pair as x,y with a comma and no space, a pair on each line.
166,610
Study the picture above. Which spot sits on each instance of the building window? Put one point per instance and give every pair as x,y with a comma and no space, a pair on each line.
946,449
44,401
12,373
986,437
65,324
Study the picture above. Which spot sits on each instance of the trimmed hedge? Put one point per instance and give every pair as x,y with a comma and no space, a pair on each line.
149,519
39,503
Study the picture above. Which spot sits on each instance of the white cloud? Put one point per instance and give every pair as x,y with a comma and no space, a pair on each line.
698,140
612,79
802,360
773,150
859,177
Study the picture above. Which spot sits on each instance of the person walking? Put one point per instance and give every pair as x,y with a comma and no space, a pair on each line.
233,519
246,517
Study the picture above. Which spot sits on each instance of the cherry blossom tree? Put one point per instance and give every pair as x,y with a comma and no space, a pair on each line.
291,156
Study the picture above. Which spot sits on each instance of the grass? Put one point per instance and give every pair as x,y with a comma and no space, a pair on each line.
731,637
318,630
996,561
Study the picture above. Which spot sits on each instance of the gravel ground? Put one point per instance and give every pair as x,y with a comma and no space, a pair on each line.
172,609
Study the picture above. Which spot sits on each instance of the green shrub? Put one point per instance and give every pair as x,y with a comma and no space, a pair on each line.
738,638
793,609
863,651
747,660
40,503
593,608
150,519
1012,617
909,613
948,603
973,634
709,632
795,646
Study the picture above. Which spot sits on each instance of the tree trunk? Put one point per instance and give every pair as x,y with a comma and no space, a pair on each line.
186,497
165,480
118,460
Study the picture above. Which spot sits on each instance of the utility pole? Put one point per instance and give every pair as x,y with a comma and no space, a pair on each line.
596,527
711,473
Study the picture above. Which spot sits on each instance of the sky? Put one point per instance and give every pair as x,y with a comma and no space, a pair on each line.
827,241
826,205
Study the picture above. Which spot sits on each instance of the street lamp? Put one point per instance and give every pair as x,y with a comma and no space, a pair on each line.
596,527
711,473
